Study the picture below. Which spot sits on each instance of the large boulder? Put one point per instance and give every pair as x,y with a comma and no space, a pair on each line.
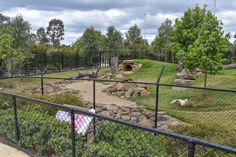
186,75
182,82
230,66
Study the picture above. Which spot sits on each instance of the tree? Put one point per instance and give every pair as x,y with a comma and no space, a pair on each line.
20,32
89,45
55,31
162,41
134,41
3,19
199,40
113,41
42,36
7,52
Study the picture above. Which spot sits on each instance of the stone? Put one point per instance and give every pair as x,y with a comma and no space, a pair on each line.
186,75
129,93
127,72
134,120
144,93
119,93
128,86
119,76
124,117
128,61
114,65
105,113
119,86
230,66
136,114
182,82
146,122
112,108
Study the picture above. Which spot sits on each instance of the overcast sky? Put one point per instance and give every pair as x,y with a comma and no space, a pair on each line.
79,14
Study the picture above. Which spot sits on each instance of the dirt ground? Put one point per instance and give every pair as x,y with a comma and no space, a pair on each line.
86,93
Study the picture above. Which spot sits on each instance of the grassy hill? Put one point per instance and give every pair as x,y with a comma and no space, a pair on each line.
150,69
209,117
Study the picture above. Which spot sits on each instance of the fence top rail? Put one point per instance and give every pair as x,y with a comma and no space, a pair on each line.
188,139
127,81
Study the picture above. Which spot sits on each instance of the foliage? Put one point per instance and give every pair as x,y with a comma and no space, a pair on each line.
134,42
118,140
55,31
113,41
90,45
41,36
7,52
40,132
199,35
162,41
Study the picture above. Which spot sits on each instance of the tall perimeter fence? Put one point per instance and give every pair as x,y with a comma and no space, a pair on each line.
122,118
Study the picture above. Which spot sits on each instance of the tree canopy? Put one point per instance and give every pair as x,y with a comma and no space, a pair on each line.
55,31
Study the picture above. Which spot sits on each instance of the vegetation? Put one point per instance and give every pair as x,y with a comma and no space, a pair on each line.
200,43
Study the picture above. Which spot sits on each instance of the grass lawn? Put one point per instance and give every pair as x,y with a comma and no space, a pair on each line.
212,117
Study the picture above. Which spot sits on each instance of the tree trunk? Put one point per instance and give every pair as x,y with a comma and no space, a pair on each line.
205,85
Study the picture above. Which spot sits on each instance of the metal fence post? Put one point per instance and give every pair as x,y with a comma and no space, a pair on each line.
191,149
72,117
17,129
94,102
42,89
157,95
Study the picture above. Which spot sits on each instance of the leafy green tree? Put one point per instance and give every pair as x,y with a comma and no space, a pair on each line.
20,32
113,41
199,40
55,31
89,45
134,42
7,53
3,19
162,41
42,36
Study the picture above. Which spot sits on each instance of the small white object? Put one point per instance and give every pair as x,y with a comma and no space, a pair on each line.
82,122
180,101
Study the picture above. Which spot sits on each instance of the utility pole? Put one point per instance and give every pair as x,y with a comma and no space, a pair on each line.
145,24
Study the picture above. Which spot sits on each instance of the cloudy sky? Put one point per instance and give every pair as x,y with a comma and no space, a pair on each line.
79,14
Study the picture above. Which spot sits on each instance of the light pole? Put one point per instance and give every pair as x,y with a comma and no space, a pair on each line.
145,24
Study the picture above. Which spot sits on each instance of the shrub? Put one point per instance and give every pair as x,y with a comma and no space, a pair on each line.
116,140
40,132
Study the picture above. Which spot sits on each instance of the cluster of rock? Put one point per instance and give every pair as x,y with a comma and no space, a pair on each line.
127,90
185,77
138,115
127,67
230,66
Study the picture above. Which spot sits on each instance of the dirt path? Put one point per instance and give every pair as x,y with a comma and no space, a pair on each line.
86,93
7,151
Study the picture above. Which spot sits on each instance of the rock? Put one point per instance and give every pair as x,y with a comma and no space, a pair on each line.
119,93
144,93
127,72
182,82
104,90
124,117
128,61
186,75
105,113
129,93
112,108
119,76
128,86
136,114
146,122
230,66
119,86
134,120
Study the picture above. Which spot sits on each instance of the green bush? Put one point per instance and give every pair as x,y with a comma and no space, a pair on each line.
40,132
116,140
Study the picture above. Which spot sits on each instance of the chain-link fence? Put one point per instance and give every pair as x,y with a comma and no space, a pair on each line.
51,129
